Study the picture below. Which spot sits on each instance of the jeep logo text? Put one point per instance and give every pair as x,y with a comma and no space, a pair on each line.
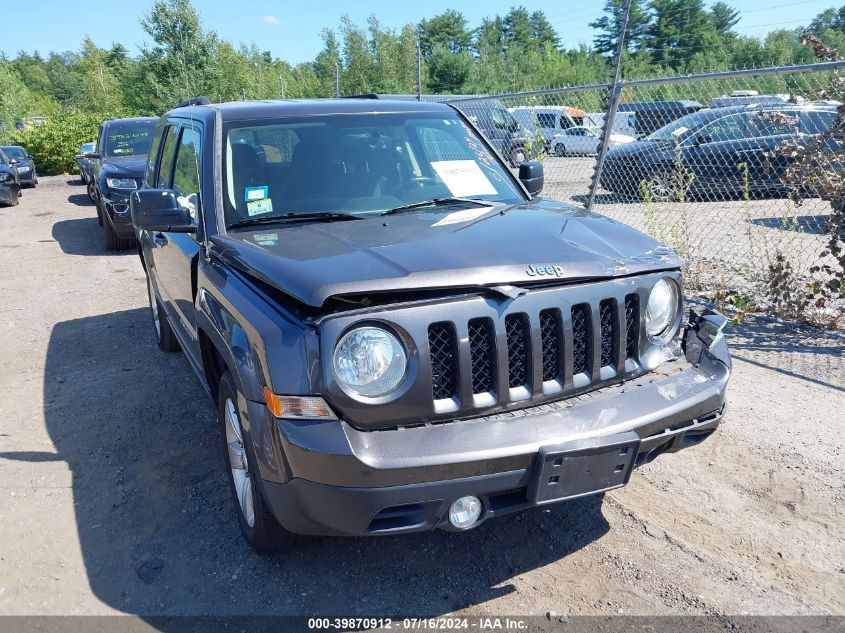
540,271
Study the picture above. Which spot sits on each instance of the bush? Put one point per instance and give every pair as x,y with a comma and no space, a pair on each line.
54,144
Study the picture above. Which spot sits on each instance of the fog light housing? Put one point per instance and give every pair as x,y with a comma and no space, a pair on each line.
465,512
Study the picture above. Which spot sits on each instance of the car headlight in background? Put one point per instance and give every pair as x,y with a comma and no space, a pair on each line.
121,183
369,361
662,308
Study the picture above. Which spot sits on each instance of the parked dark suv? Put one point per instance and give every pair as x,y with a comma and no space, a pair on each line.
714,153
397,333
10,188
24,164
116,170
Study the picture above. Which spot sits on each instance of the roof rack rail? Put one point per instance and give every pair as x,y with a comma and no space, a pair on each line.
366,95
193,102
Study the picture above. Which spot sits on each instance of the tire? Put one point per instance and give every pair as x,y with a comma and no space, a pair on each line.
560,150
517,156
113,241
660,186
93,196
258,525
164,333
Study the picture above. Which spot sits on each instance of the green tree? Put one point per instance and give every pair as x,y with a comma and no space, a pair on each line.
448,30
610,24
680,30
724,17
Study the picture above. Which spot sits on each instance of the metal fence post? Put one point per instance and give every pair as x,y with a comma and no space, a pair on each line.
419,72
336,79
613,93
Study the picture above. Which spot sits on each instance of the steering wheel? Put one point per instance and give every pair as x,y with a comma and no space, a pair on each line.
419,181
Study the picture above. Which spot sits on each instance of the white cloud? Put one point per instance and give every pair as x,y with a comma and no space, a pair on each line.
271,19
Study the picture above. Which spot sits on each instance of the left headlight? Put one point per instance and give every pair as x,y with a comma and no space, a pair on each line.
662,309
121,183
369,361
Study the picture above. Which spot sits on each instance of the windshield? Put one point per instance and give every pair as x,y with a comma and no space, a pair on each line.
16,153
358,164
88,147
681,128
129,139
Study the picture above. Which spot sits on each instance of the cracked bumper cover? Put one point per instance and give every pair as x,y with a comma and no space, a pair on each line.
336,479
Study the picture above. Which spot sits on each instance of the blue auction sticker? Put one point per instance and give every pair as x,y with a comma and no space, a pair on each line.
256,193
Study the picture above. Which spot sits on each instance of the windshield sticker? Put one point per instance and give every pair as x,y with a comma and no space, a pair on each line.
266,239
256,193
463,178
257,207
680,130
462,216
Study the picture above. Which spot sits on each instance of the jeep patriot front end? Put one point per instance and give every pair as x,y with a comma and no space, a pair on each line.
398,334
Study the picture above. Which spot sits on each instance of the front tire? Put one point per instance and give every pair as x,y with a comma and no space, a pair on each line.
258,525
661,186
517,156
560,150
164,333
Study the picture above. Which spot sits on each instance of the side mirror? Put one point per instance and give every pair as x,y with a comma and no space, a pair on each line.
91,155
13,161
531,176
159,210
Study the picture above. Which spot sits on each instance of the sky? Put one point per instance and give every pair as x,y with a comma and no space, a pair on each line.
291,30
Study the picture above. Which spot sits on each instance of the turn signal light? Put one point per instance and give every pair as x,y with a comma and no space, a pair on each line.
297,406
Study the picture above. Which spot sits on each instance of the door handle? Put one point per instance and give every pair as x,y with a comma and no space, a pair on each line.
160,239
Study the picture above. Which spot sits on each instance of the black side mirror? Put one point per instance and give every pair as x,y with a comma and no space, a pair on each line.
91,154
159,210
531,176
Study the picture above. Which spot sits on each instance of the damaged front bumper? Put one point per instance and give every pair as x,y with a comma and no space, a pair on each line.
341,480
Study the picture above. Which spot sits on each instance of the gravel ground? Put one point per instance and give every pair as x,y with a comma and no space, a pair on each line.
113,497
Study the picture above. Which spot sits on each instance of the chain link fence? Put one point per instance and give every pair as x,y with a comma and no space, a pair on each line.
701,163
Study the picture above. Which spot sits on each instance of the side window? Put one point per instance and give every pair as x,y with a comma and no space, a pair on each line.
499,119
149,176
166,163
773,123
816,121
186,175
565,123
546,119
100,137
729,128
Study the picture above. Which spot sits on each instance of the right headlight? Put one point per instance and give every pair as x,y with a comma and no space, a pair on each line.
369,361
662,309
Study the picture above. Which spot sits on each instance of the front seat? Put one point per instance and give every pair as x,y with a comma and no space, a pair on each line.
248,170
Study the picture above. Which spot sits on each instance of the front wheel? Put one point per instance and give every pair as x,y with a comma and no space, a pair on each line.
164,334
560,150
517,156
258,525
660,186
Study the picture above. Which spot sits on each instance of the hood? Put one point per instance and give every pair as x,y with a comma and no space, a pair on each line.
129,166
539,242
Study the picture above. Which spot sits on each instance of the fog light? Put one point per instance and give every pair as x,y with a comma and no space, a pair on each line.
464,513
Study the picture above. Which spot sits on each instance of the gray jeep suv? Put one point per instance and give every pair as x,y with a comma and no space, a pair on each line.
398,334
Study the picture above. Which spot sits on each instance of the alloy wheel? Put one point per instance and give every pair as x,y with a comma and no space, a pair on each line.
238,463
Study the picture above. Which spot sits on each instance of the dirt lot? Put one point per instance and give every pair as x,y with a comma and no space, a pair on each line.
113,496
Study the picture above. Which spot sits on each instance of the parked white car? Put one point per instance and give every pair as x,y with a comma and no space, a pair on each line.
584,141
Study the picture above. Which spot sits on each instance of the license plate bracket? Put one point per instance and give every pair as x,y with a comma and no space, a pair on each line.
584,467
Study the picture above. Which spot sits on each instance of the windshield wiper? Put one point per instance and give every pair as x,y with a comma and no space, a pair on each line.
319,216
436,202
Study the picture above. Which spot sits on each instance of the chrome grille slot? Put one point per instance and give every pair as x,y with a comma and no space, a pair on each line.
607,320
551,341
519,341
482,355
444,371
632,326
582,340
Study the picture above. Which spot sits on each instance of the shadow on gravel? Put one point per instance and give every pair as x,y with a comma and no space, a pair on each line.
811,224
80,200
157,528
84,236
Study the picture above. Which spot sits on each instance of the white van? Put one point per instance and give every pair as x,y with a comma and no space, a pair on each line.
549,120
624,123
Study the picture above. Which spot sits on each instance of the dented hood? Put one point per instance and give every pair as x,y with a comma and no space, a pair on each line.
541,241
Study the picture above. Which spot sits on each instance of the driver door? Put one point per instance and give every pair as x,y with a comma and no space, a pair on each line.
175,255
